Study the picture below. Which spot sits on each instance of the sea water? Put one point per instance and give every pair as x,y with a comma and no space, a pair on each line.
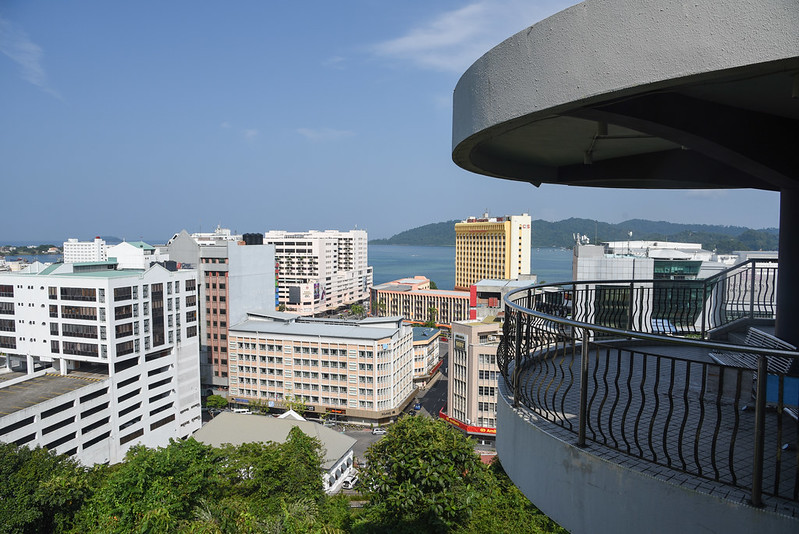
392,262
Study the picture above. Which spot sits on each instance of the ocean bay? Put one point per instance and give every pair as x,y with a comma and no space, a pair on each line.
392,262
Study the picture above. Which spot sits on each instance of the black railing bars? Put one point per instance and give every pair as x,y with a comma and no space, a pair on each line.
633,366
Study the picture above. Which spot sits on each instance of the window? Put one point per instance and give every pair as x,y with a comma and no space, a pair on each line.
79,293
79,312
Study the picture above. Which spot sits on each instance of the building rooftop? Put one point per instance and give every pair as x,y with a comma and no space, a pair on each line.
235,428
421,333
42,388
306,328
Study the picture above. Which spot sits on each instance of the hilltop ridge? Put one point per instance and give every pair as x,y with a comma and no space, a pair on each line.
721,238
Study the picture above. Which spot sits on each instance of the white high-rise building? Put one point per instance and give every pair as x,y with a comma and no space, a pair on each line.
84,251
96,359
321,271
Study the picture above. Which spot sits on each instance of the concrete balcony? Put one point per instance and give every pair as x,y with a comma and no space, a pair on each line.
629,429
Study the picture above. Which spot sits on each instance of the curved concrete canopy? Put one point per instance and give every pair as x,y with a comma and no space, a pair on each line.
624,93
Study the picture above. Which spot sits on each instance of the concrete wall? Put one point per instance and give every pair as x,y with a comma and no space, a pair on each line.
588,494
252,280
602,47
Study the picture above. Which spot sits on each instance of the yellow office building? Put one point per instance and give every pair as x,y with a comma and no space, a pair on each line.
491,248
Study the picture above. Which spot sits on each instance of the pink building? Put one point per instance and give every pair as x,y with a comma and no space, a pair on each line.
412,299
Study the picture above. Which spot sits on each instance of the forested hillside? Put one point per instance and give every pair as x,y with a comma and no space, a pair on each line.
560,234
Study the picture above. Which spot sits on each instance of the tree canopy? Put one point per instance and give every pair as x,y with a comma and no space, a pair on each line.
423,476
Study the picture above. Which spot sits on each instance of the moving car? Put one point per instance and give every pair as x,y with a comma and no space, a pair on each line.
378,431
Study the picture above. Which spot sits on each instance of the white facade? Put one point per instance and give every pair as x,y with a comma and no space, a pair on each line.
84,251
114,355
474,378
320,271
135,255
361,370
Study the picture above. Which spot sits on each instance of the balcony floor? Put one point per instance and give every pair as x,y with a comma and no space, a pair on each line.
667,430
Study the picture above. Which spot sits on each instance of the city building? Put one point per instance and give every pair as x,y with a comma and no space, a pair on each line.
357,370
426,354
135,255
84,251
641,260
237,429
98,359
473,378
635,430
491,247
233,277
486,297
321,271
413,299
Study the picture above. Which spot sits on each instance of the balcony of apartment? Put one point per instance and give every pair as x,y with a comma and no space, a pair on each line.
644,406
652,405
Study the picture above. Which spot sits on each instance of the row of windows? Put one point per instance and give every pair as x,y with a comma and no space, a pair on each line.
487,375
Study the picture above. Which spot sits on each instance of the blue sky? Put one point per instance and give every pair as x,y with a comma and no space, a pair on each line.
139,119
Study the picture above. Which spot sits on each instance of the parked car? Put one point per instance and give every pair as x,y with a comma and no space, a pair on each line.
378,431
242,410
417,406
350,482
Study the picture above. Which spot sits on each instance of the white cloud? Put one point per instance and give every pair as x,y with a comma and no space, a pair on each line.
225,125
452,41
16,44
250,133
324,134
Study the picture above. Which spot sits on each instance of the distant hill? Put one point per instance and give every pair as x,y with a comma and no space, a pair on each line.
431,235
723,239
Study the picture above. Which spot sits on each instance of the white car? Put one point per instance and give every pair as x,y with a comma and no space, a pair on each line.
350,482
378,431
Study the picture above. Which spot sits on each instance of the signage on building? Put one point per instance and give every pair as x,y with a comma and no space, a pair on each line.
469,429
460,343
337,411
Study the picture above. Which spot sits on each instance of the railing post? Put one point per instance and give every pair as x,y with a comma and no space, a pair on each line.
583,391
752,293
704,308
631,304
760,431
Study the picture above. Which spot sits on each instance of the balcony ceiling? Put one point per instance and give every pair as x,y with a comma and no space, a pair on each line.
647,95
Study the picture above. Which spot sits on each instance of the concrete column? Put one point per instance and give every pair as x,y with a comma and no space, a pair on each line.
787,324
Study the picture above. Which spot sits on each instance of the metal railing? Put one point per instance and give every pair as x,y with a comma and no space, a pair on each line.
626,365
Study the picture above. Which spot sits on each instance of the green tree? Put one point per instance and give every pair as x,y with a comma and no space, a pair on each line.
432,314
422,476
41,490
281,307
154,490
216,402
357,310
503,509
433,285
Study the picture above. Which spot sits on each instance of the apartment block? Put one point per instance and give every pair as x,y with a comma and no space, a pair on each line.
491,247
473,378
321,271
412,298
234,277
360,371
83,251
98,359
426,353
